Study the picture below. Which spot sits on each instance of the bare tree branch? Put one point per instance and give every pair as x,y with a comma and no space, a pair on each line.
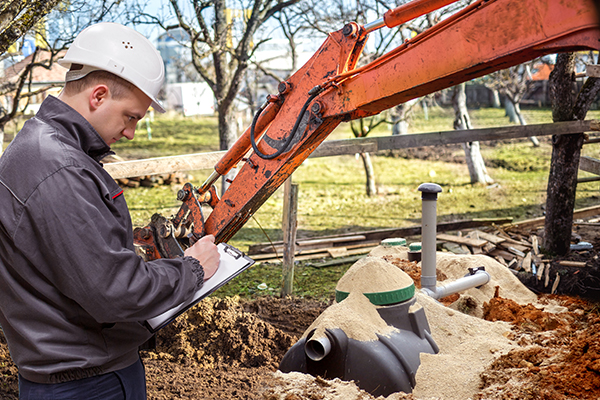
18,17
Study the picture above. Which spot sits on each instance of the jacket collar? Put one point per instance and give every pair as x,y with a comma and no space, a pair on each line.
68,121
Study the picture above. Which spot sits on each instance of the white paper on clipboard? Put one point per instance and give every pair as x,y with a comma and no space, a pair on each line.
232,263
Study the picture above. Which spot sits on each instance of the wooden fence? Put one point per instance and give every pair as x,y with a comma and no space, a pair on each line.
201,161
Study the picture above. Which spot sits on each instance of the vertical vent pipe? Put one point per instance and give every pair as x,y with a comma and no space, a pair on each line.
429,194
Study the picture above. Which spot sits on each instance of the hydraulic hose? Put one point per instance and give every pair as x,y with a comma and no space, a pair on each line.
314,92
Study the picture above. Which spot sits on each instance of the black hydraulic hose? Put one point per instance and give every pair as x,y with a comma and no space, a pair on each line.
313,93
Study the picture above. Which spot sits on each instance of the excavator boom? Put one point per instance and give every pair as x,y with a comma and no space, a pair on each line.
484,37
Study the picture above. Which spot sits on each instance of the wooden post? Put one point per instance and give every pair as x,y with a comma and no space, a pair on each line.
290,212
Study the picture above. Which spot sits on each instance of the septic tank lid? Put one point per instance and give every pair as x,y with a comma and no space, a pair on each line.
383,298
391,242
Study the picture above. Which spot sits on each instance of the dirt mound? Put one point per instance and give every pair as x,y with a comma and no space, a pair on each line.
219,331
229,349
526,317
559,358
226,349
9,388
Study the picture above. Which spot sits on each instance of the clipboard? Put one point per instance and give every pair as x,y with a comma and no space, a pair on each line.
233,262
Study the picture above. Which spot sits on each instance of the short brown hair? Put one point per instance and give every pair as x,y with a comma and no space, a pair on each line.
117,86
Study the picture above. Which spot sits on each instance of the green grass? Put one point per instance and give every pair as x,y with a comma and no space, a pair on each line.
332,190
172,136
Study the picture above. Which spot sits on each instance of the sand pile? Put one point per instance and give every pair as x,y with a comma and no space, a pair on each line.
356,316
468,344
382,277
455,266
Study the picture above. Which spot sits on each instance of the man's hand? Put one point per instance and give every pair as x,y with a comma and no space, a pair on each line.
205,251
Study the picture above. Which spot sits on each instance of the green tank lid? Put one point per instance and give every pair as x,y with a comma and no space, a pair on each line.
415,246
391,242
383,298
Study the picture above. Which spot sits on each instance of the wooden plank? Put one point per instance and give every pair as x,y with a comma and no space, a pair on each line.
502,253
501,260
337,261
461,240
163,165
555,284
572,263
455,248
515,251
374,144
588,179
201,161
336,252
520,248
306,243
540,271
527,263
377,235
587,223
488,236
591,140
488,247
589,164
581,213
535,244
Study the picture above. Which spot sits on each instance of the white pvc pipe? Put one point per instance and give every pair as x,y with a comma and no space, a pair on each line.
479,278
428,234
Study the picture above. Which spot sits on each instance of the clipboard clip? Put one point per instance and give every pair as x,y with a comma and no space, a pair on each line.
233,252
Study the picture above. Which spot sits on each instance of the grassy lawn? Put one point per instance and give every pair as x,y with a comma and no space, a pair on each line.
332,190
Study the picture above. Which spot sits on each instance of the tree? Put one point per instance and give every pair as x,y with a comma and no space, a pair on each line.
318,17
566,149
222,43
514,83
477,170
17,17
53,33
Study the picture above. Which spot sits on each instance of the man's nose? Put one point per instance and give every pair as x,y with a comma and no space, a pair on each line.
129,132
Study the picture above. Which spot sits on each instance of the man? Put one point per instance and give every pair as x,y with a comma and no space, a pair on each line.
73,292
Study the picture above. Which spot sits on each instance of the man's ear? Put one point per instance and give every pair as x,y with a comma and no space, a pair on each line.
98,96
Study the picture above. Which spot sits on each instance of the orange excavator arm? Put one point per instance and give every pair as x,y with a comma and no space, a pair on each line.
484,37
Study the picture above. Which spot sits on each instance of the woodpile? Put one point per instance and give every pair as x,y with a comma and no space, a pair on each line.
513,250
153,180
355,243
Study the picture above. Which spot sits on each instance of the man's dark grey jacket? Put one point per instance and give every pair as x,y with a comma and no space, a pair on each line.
72,289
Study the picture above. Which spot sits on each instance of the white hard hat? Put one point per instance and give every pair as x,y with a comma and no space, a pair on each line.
120,50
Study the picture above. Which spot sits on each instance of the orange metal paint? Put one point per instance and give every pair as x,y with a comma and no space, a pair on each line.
482,38
412,10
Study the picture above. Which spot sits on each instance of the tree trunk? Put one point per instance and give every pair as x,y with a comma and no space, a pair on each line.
566,150
519,117
509,109
227,136
477,170
399,119
370,174
362,131
496,99
562,180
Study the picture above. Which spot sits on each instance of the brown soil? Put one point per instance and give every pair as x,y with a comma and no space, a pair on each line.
229,349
